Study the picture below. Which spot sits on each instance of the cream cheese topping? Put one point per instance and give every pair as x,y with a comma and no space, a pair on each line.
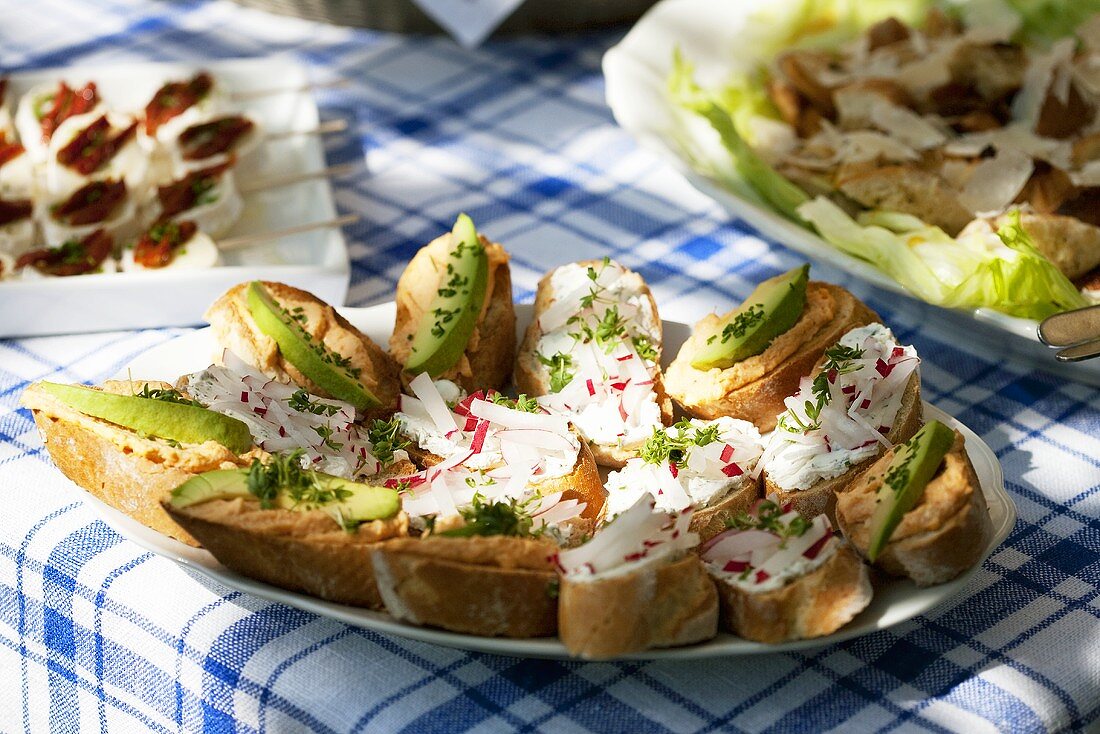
842,415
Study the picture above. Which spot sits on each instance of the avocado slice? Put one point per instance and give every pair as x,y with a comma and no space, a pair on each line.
175,421
914,464
770,310
313,359
441,337
363,502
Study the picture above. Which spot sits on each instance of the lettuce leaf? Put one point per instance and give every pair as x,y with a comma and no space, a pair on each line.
1002,270
729,112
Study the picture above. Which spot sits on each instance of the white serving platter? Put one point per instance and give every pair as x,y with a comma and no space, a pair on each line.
316,261
636,72
895,601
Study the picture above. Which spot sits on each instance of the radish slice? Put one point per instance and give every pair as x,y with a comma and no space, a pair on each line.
423,387
538,438
518,419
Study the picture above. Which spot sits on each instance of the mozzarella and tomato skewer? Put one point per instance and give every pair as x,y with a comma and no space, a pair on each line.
75,256
209,197
94,147
178,105
46,106
106,204
214,142
170,244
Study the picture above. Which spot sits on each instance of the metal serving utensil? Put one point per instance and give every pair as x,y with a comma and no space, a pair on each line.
1078,332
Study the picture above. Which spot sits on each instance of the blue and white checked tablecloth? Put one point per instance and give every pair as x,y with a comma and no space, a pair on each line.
97,635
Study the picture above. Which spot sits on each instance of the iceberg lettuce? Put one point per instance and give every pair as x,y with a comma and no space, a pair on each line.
1002,270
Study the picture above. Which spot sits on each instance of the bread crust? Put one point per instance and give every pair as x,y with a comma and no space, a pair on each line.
710,521
487,360
754,389
941,536
236,330
817,604
487,586
306,552
532,377
127,471
820,498
658,604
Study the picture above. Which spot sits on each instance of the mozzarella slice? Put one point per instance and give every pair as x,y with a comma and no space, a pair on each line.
28,123
121,226
197,253
210,106
216,217
17,178
130,163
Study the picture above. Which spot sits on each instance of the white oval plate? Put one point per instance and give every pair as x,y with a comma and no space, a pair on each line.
895,601
636,72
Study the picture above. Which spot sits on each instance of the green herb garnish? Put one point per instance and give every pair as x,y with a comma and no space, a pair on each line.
494,518
561,370
662,447
385,439
767,518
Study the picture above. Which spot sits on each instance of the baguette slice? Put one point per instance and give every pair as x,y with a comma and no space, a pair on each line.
711,520
533,378
129,472
755,388
490,586
487,361
821,497
236,331
652,604
944,534
816,604
307,552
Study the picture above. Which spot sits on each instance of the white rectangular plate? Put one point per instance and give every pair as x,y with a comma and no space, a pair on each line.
636,72
895,600
316,261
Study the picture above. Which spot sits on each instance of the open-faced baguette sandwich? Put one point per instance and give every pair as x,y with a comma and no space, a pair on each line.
504,485
782,576
292,527
495,446
593,354
862,398
919,510
130,443
488,570
708,466
634,586
294,337
744,364
455,318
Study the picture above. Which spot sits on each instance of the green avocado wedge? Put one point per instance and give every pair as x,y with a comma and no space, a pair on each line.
311,358
442,335
351,501
770,310
176,421
914,464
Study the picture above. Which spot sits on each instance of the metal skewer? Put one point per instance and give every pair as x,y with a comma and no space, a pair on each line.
278,181
247,240
328,126
245,96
